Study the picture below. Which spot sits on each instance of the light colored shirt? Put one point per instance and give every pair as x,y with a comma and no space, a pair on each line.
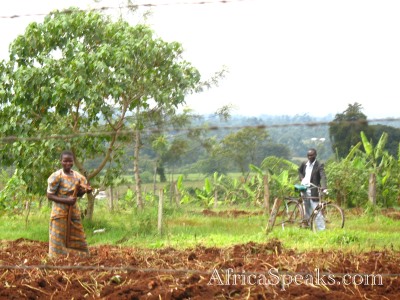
307,177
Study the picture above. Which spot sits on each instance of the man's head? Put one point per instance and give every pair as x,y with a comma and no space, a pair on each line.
311,155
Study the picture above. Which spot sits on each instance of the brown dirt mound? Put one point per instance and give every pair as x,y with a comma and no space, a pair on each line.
391,213
230,213
248,271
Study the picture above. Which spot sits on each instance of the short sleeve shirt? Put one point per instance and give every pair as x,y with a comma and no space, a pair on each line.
63,185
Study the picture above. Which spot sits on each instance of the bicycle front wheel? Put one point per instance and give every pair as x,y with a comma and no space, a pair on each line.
289,214
329,217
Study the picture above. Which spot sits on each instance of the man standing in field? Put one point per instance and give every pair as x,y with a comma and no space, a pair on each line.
312,171
66,233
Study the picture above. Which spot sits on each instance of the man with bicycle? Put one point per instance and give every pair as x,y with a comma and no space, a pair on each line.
312,171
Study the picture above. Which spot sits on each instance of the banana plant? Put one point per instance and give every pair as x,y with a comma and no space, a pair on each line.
206,193
255,187
282,183
376,160
185,196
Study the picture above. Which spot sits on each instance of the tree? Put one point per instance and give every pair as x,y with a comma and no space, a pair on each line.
72,81
393,137
242,147
344,130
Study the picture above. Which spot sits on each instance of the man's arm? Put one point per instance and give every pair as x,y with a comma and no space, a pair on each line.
322,175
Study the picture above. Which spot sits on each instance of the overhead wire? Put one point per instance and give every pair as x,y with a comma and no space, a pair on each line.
145,4
127,132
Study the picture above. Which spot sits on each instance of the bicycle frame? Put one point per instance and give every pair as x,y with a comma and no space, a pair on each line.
292,211
302,197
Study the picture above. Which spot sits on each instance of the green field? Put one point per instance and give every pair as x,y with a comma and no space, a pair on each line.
189,226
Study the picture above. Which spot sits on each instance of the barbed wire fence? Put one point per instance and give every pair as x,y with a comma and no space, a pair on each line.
164,270
127,132
133,5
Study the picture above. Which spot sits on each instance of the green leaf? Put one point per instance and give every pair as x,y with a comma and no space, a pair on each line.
367,145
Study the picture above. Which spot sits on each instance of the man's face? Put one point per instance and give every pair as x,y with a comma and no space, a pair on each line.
67,162
311,156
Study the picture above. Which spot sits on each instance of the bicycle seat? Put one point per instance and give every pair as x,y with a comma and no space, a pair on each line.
300,187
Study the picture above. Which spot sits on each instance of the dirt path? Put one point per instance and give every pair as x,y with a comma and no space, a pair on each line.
201,273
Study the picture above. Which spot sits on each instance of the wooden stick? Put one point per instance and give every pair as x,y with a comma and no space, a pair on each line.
69,221
272,216
160,210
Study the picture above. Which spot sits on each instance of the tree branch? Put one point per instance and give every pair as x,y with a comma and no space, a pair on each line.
116,128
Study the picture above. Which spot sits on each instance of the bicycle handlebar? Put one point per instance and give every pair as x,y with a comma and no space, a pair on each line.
302,187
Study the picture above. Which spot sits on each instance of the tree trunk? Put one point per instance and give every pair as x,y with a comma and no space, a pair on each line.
138,182
372,189
90,208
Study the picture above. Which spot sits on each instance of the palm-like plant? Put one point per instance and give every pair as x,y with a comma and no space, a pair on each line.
377,158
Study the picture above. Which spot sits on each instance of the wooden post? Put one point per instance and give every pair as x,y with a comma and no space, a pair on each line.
272,217
160,210
266,194
171,192
111,199
177,194
372,189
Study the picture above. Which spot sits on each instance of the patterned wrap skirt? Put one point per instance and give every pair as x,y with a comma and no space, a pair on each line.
58,243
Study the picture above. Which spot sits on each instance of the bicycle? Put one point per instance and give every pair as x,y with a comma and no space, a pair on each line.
293,211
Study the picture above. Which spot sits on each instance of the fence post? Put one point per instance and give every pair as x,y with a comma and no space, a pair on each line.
160,211
177,194
274,211
111,199
266,194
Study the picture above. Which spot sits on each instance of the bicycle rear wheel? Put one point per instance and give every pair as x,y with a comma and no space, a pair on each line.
290,213
333,217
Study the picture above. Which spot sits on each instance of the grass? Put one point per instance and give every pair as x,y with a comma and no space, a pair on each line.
188,227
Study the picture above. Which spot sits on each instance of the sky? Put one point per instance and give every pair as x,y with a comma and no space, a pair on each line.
284,57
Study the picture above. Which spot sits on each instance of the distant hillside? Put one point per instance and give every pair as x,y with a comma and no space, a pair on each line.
298,132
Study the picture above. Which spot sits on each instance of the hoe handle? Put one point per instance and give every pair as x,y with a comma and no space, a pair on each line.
69,222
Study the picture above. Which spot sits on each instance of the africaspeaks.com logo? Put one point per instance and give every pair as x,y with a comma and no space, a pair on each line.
285,279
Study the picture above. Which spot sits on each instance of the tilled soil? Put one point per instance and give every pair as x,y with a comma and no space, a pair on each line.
248,271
